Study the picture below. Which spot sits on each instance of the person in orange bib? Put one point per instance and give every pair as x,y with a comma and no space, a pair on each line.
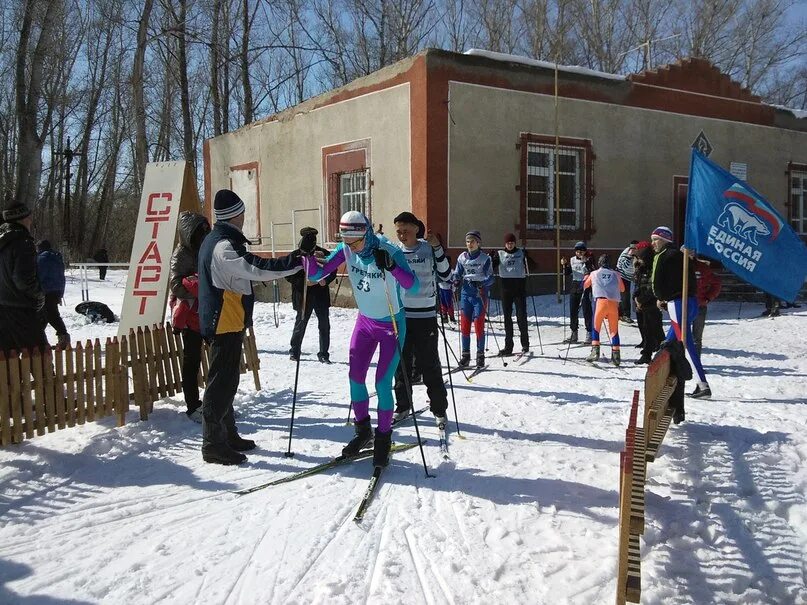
606,289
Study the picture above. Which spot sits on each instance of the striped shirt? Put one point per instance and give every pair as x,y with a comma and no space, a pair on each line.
423,260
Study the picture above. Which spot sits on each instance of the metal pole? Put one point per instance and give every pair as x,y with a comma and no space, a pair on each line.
557,179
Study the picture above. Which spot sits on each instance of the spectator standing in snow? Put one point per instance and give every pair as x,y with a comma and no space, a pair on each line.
184,303
50,271
318,300
428,262
474,276
226,273
512,265
21,297
101,256
668,270
624,266
648,315
378,271
708,288
577,267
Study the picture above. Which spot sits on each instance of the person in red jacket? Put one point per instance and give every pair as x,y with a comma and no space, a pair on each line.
708,288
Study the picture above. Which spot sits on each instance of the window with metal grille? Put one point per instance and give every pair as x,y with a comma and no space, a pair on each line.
354,193
542,160
798,201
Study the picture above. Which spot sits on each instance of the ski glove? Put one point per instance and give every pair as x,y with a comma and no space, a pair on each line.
383,259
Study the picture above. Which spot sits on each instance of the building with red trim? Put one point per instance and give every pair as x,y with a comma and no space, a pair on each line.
467,141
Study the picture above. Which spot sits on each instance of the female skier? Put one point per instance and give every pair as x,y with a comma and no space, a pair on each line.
377,270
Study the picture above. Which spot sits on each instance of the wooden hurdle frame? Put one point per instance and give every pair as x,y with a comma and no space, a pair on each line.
659,384
51,389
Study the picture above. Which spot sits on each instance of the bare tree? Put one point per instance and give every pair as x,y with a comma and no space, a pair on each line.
139,105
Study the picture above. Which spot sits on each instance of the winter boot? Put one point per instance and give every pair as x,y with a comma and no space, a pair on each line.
525,349
616,359
465,359
702,391
294,355
572,338
239,444
400,414
221,453
594,355
506,352
480,360
678,416
381,447
644,358
588,337
363,438
324,358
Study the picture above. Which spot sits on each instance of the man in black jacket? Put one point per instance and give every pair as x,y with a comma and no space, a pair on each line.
318,300
21,297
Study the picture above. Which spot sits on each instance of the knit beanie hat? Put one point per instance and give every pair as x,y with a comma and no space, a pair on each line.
308,231
663,233
474,234
509,237
353,224
16,212
406,217
227,205
580,246
642,245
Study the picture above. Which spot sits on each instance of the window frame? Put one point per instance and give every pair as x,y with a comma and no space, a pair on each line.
584,193
799,214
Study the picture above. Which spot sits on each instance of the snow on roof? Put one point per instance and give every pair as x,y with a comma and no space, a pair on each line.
574,69
799,113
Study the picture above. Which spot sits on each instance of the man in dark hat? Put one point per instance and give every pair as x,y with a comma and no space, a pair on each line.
226,273
21,297
317,300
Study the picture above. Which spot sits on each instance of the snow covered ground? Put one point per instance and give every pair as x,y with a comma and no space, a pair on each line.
525,512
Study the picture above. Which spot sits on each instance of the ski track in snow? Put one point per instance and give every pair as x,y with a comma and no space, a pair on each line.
523,512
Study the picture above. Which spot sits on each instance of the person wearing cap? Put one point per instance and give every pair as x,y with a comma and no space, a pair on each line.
183,285
378,272
474,275
648,315
226,273
512,266
427,260
317,300
50,272
606,288
624,265
577,267
21,297
667,277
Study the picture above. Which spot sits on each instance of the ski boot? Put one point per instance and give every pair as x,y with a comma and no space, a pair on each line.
678,415
324,358
616,359
644,358
294,355
506,352
572,339
588,337
381,448
400,414
221,453
525,349
480,361
465,359
363,438
702,391
594,355
441,422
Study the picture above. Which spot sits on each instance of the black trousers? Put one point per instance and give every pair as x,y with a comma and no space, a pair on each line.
420,348
321,308
576,300
21,329
191,361
624,300
514,295
52,313
651,329
222,383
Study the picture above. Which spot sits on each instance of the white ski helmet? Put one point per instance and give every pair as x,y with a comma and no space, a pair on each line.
353,224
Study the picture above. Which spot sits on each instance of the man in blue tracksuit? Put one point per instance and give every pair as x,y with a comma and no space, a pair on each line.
474,275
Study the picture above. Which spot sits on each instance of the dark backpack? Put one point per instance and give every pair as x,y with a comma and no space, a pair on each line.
96,311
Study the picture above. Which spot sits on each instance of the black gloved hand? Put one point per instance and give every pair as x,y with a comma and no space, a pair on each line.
383,260
308,243
296,258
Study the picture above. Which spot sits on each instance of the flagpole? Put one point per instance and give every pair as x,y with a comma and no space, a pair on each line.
684,298
557,182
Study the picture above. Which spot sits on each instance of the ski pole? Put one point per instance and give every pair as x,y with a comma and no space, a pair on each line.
537,327
490,326
336,296
565,305
404,371
739,310
276,297
289,453
445,342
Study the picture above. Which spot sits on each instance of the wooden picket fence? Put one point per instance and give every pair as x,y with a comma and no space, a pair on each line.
641,446
52,389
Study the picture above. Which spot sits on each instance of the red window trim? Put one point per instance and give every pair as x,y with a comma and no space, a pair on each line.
587,229
330,168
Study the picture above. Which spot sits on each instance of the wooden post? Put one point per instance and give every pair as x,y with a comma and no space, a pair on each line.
39,390
625,463
123,382
166,359
5,402
145,378
98,375
162,391
110,390
150,365
27,406
59,388
80,415
252,358
15,395
70,385
174,356
50,387
89,389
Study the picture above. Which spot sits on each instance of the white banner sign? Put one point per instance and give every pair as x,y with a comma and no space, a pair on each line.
147,284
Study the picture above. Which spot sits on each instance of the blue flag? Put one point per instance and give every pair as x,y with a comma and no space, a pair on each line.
730,222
